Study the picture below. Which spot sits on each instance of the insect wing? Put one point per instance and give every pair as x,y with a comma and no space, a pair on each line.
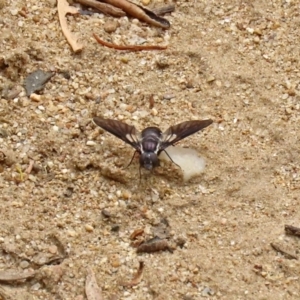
123,131
180,131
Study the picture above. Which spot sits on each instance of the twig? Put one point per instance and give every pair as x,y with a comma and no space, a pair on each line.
29,169
151,101
128,47
286,253
137,277
64,8
103,7
136,233
140,13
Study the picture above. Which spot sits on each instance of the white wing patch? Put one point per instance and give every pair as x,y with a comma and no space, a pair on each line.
132,138
170,138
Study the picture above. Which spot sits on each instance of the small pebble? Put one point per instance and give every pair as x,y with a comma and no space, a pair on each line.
256,39
115,262
223,221
106,213
126,194
89,228
168,96
124,59
17,203
30,252
162,62
218,83
207,292
14,11
115,227
52,249
111,26
190,84
35,97
36,286
288,111
211,78
154,111
91,143
72,233
24,264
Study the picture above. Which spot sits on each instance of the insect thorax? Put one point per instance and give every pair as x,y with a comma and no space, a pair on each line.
151,137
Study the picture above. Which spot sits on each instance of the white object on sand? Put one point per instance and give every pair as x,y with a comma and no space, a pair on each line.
189,161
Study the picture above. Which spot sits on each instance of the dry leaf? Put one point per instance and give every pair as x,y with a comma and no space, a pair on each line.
92,290
14,275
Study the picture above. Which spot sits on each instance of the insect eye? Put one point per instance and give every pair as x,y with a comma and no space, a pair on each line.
153,158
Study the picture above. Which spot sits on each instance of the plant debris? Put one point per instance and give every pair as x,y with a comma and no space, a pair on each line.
92,290
63,9
15,275
165,9
137,277
292,230
129,47
36,80
282,249
154,245
39,259
136,233
140,13
103,7
115,8
151,101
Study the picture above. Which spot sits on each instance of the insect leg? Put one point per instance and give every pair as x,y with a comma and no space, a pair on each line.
140,174
171,158
131,159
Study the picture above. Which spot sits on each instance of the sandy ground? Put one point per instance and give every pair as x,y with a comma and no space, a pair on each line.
75,208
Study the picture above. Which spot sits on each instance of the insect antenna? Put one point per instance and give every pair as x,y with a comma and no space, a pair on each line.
171,158
131,160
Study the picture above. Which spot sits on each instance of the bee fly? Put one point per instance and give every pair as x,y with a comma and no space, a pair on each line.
151,141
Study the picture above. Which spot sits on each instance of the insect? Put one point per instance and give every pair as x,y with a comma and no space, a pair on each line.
151,141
